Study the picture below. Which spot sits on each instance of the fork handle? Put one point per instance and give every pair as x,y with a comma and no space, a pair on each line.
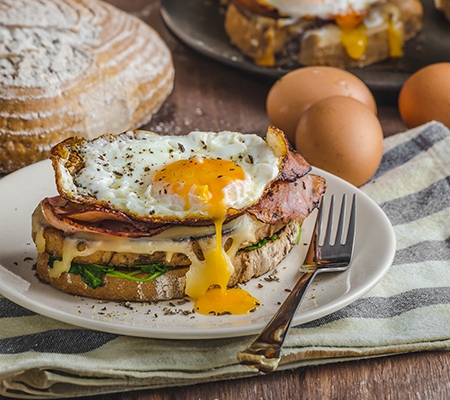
264,352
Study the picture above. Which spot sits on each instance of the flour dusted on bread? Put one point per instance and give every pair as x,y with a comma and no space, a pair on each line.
74,68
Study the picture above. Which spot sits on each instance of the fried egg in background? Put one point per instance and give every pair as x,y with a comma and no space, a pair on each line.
324,9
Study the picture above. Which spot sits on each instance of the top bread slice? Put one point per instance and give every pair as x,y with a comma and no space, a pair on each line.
74,68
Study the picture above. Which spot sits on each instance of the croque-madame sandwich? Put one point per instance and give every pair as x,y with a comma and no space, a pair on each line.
143,217
338,33
444,7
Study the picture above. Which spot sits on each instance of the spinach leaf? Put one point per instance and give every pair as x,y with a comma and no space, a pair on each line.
153,271
93,274
300,229
261,243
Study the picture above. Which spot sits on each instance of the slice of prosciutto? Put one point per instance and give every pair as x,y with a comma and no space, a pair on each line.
70,218
285,200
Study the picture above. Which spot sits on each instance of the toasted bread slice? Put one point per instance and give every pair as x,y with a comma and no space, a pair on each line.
247,265
444,7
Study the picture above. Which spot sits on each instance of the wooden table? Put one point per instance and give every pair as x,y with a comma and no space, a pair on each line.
210,96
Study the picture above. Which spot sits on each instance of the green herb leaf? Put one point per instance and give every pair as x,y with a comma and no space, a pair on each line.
93,274
153,271
300,227
261,243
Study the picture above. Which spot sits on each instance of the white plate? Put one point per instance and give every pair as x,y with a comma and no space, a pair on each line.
21,191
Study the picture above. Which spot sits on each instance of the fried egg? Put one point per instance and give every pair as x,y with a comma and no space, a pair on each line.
200,176
324,9
154,177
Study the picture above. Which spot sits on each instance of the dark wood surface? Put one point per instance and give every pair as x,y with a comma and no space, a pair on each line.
210,96
419,376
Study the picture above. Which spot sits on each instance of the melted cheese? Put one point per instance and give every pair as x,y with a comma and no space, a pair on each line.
82,244
354,35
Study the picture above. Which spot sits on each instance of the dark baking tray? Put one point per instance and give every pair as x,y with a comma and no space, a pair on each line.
199,24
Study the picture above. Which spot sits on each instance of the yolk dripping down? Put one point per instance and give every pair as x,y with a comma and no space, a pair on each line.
354,36
205,180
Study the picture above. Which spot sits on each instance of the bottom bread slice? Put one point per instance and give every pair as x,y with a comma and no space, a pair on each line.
171,285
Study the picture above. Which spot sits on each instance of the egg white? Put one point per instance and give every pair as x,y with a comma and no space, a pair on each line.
322,9
118,170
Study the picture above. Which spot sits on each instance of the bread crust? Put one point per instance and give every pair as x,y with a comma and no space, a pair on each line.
170,285
108,72
444,7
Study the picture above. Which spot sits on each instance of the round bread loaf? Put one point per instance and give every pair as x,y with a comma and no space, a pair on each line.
74,68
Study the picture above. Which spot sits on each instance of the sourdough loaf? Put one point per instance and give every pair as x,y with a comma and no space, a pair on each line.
74,68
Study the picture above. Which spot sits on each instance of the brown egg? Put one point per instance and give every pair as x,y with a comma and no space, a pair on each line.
343,136
425,96
294,93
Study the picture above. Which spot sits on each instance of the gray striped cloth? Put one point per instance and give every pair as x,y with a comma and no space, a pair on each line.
409,310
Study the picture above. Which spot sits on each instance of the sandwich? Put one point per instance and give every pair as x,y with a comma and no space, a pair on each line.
144,217
444,7
343,34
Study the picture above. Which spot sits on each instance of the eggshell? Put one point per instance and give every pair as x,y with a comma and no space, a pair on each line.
425,96
296,91
343,136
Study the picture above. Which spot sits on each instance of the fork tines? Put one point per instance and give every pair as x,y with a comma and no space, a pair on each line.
338,240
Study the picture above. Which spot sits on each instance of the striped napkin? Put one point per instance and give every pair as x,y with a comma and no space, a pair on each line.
409,310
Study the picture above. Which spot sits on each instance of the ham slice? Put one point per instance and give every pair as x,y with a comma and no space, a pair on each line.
70,218
290,200
283,201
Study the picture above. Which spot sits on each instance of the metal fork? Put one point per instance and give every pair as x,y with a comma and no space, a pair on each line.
331,256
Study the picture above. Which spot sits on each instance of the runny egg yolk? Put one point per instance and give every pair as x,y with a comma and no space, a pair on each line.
350,20
354,36
395,38
354,41
204,180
